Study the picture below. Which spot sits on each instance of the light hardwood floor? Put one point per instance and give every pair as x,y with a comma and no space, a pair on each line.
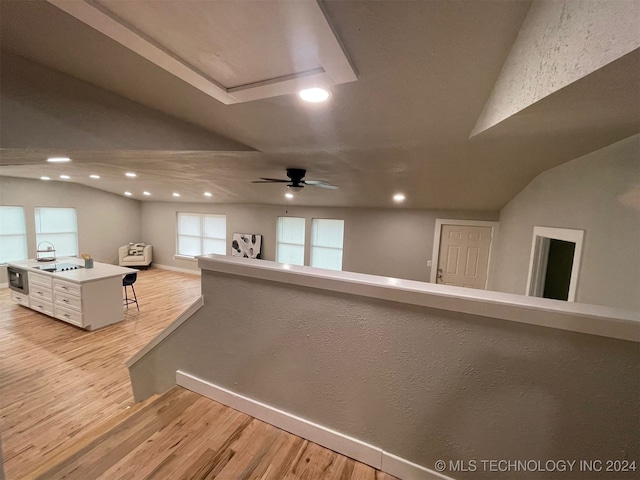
67,410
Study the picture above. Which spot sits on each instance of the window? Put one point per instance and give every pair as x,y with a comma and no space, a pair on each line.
327,238
58,226
200,234
290,244
13,234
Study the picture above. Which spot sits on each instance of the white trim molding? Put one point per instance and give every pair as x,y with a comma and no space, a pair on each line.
539,257
178,269
351,447
437,234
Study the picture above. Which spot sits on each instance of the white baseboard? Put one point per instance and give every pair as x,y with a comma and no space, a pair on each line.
336,441
4,285
178,269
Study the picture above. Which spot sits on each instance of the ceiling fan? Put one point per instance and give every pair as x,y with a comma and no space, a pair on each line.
296,182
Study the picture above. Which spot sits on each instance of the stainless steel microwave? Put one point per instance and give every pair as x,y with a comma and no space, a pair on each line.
18,280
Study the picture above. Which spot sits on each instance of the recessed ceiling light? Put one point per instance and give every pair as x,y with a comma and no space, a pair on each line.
288,195
146,193
58,159
398,197
128,194
314,95
65,177
208,194
45,178
176,194
94,176
130,174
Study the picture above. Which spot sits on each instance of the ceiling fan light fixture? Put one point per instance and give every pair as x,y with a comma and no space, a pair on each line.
294,188
314,95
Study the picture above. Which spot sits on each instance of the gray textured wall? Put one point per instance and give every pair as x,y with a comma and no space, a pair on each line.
560,42
390,242
598,193
420,383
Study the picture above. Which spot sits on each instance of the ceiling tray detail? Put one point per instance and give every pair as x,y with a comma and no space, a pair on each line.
232,51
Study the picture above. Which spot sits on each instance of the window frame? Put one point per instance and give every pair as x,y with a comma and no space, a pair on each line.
303,244
36,216
312,244
201,237
23,235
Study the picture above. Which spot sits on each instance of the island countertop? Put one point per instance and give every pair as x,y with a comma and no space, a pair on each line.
82,275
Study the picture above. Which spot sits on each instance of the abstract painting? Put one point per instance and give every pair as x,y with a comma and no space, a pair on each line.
247,245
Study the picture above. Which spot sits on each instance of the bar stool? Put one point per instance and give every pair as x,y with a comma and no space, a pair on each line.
127,281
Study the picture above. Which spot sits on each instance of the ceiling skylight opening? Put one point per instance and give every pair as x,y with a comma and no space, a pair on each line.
45,178
289,195
146,193
314,95
130,174
208,194
65,177
176,194
128,194
58,159
94,176
399,198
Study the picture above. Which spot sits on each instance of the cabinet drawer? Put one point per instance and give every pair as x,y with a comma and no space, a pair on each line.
21,298
38,292
69,316
68,288
41,280
68,301
42,306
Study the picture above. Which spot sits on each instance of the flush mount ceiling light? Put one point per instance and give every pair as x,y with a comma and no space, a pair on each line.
208,194
130,174
128,194
176,194
398,198
58,159
289,195
65,177
94,176
45,178
146,193
314,95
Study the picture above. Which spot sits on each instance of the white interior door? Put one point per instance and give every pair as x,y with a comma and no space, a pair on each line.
463,259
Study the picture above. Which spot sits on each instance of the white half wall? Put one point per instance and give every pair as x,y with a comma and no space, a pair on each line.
381,363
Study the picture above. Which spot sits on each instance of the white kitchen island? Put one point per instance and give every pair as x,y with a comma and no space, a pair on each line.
88,298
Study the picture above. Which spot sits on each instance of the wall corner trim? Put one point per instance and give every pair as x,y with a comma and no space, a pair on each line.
193,308
339,442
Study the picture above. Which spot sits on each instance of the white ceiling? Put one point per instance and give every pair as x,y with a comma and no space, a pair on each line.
424,73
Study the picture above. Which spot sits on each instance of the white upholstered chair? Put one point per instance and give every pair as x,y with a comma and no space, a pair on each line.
135,255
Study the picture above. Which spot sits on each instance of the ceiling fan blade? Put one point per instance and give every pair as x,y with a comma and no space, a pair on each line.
271,180
321,184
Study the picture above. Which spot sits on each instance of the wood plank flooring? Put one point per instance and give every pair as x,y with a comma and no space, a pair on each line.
67,410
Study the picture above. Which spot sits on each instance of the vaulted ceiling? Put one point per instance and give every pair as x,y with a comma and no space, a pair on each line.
412,85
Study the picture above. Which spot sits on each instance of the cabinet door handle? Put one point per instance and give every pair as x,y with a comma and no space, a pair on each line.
66,315
65,300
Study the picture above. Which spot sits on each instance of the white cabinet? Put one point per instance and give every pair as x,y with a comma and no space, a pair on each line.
20,298
68,302
91,304
40,293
